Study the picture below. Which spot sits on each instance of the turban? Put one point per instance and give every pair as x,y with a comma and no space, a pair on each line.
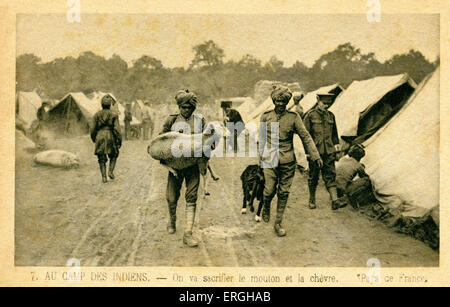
281,92
184,96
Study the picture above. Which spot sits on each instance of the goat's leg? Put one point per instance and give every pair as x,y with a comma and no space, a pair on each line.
213,173
205,185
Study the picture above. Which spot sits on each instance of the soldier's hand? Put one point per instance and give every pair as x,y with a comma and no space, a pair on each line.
319,163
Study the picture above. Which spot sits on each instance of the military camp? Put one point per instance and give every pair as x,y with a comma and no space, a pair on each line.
259,148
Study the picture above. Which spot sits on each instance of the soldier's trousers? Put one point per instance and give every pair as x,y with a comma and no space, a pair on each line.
328,171
278,180
191,176
103,158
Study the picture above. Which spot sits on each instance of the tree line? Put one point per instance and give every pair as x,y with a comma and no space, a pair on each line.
208,74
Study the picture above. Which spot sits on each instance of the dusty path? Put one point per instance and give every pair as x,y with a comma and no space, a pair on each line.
62,214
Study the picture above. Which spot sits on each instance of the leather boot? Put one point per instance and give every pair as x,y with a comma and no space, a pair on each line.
171,224
281,206
266,211
334,198
188,238
103,171
112,165
312,197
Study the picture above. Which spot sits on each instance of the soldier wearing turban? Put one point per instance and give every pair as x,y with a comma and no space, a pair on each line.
106,135
277,153
184,122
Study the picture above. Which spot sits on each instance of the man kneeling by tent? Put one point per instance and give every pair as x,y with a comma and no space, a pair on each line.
346,170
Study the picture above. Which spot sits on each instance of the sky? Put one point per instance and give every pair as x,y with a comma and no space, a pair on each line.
170,38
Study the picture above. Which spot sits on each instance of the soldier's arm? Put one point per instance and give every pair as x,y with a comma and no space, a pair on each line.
362,171
262,135
117,125
335,135
167,127
306,138
117,133
94,129
307,122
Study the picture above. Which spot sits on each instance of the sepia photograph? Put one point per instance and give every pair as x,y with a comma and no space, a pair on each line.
227,140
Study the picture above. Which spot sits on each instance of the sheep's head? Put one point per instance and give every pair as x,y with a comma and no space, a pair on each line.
71,161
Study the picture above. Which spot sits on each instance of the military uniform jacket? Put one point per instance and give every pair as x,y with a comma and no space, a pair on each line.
106,133
321,125
289,123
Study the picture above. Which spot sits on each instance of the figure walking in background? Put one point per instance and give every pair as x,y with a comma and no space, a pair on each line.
106,135
127,121
234,123
147,121
297,107
321,125
42,129
277,153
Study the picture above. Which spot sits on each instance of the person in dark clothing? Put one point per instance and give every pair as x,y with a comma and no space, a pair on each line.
106,135
42,113
127,121
233,121
321,125
41,131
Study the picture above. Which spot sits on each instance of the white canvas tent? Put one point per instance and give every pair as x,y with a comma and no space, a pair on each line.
367,105
72,115
402,158
27,104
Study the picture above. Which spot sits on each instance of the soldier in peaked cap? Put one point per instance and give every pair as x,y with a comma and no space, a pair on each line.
277,153
321,125
184,122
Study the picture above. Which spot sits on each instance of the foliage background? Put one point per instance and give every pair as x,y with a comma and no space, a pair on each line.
208,74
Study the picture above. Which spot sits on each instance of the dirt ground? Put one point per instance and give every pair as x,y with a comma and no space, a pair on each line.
62,214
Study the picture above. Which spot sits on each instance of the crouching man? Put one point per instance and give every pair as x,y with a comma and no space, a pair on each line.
277,153
346,170
185,122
